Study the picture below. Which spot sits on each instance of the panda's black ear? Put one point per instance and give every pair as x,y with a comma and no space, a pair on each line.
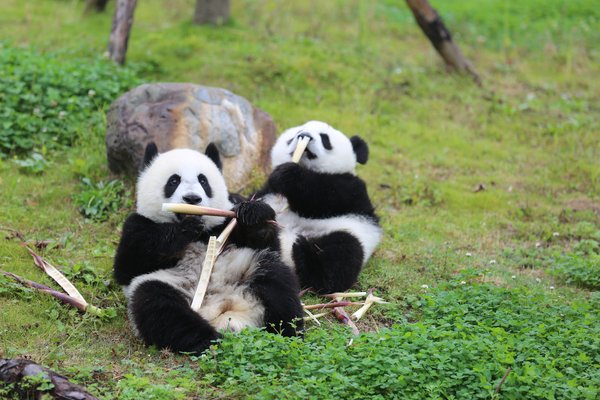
361,148
213,153
149,154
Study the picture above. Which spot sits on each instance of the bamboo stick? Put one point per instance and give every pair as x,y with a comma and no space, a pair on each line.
197,210
358,314
300,147
332,305
344,318
57,276
214,248
207,266
65,298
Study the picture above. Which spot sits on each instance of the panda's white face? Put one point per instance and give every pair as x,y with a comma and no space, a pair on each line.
329,150
181,176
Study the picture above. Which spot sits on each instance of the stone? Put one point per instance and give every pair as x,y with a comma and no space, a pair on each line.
183,115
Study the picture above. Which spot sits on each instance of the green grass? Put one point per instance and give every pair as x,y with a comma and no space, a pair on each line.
526,247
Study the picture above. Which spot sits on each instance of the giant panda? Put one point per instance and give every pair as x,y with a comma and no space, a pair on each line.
160,254
330,228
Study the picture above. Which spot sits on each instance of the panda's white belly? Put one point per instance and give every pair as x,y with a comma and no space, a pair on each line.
364,229
228,304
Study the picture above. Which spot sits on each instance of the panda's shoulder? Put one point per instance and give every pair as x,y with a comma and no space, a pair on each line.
137,221
345,178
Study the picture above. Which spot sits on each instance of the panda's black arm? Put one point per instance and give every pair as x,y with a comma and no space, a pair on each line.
319,195
253,228
147,246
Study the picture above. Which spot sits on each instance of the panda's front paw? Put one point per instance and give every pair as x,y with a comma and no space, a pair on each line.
192,226
254,212
284,175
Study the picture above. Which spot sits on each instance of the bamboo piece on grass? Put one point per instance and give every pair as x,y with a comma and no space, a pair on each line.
57,276
358,314
65,298
344,318
340,295
332,305
312,316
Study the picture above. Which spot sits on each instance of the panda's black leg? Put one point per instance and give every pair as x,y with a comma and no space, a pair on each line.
164,318
277,287
329,263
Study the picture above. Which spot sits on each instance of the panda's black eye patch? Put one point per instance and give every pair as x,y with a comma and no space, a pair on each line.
205,185
171,185
326,141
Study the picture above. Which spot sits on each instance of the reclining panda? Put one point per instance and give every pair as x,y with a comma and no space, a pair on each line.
160,255
329,224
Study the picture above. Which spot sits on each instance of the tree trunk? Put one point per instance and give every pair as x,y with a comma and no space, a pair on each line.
96,5
13,371
121,27
434,28
214,12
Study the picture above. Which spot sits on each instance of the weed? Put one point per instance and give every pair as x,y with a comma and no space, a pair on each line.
34,164
99,200
465,339
579,270
49,101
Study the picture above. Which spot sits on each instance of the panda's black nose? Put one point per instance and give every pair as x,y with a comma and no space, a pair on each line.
192,199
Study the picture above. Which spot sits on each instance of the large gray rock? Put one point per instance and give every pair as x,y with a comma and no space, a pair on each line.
182,115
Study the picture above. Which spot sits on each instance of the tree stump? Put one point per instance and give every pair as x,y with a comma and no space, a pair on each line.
121,27
13,371
432,25
95,5
214,12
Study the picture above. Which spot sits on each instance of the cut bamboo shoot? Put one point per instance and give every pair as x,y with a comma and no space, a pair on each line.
214,248
358,314
197,210
207,266
300,147
222,239
58,277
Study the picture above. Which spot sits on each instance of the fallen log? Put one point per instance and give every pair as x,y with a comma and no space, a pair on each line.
18,376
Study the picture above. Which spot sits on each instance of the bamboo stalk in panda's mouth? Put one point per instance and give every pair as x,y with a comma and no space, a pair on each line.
197,210
191,209
300,147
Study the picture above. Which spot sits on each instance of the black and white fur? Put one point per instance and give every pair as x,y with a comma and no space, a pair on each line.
160,256
329,224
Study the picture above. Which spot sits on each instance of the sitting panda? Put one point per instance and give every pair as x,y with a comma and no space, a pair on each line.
160,255
329,224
